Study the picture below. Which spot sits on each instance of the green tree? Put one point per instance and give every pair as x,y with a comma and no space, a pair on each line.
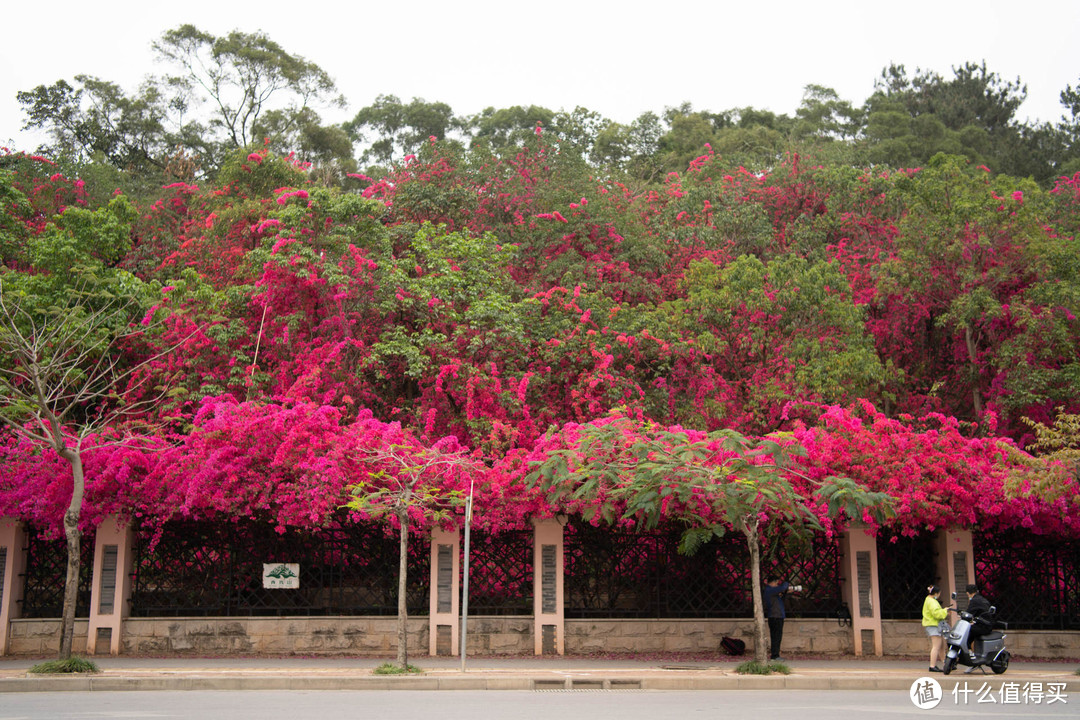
1068,133
577,129
688,133
507,129
393,129
778,330
909,119
248,85
975,258
822,115
96,118
1052,471
632,149
242,76
405,479
628,470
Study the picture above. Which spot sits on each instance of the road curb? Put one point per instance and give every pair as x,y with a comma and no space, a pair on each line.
569,683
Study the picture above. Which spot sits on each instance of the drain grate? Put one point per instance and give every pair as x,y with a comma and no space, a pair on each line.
577,690
583,685
625,684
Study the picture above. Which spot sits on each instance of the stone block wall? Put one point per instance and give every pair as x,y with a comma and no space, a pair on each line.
689,636
42,637
906,637
1043,643
275,636
490,636
500,635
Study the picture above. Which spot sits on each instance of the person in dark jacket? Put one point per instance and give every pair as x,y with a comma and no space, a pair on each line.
773,599
978,606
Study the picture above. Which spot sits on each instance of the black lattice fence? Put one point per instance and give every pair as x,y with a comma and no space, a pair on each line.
713,582
46,573
816,567
1033,581
609,573
212,569
906,566
625,574
501,573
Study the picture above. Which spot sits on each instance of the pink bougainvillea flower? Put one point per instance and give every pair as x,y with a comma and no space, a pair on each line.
301,194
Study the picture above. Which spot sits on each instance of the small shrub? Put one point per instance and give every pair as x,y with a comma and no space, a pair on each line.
388,668
753,667
71,665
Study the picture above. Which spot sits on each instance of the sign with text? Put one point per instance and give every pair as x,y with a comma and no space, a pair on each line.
281,575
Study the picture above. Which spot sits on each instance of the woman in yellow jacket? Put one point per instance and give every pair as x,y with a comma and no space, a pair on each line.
932,614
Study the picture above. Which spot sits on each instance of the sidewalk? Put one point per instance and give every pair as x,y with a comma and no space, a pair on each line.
510,673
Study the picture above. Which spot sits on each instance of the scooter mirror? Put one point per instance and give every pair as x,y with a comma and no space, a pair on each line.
953,596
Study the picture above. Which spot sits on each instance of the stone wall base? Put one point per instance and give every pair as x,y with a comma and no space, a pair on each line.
274,636
824,637
907,637
42,637
491,635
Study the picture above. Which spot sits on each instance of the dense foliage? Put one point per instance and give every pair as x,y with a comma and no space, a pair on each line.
902,315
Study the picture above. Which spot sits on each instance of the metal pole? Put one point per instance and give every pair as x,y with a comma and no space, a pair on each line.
465,584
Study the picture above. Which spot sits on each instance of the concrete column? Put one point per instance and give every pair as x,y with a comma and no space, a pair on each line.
955,564
110,593
444,615
549,627
12,566
859,570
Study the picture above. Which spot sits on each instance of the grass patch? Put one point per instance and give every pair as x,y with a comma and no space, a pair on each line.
71,665
389,668
753,667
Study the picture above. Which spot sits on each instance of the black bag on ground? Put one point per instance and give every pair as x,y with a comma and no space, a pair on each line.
733,646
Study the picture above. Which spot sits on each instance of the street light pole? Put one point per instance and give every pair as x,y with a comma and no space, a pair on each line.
465,584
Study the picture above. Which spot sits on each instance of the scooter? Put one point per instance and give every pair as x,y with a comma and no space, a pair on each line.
989,650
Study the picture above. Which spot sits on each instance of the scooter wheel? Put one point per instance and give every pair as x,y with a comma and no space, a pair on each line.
949,665
1001,664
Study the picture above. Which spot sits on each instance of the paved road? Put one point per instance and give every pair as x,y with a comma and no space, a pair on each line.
542,705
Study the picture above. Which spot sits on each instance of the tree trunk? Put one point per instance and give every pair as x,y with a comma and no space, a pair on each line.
402,605
761,635
71,533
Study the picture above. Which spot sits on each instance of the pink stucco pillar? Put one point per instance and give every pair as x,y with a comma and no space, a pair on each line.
548,621
445,591
110,593
12,564
859,569
955,564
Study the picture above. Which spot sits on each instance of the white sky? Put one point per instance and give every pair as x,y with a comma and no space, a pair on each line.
617,58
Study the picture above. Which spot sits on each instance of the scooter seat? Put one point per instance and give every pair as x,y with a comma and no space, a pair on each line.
992,636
